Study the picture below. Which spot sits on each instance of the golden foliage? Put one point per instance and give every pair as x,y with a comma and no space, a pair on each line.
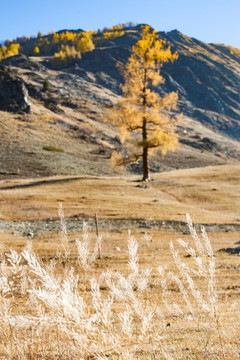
142,110
67,51
67,36
56,37
11,50
72,44
62,44
108,34
85,42
235,51
113,34
65,55
36,51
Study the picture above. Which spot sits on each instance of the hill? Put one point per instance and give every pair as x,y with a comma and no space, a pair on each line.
64,132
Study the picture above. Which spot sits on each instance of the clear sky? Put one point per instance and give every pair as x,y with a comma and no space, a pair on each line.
215,21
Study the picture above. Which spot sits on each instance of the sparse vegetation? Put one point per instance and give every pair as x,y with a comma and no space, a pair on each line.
191,157
113,32
36,51
52,148
46,85
56,308
108,33
66,56
235,51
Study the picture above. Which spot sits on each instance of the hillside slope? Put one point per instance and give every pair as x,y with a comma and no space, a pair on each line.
65,134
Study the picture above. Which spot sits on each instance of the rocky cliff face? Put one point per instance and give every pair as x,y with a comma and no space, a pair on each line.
13,92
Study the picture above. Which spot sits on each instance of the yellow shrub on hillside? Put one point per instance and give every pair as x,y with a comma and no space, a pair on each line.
112,34
85,42
67,36
56,37
36,51
11,50
66,55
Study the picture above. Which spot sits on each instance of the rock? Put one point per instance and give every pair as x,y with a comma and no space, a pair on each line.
209,144
13,92
233,251
23,62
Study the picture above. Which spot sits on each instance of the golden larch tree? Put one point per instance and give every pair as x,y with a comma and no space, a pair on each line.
36,51
142,115
85,42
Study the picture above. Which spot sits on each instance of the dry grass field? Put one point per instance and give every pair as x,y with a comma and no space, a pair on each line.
211,195
141,298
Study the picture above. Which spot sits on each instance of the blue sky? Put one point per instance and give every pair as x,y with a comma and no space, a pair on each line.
207,20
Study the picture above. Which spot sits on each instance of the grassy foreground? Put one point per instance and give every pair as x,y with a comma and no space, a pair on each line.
121,295
106,298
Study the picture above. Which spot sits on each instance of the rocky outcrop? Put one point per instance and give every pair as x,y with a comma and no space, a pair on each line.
23,62
13,92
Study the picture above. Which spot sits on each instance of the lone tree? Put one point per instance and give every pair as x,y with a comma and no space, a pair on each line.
142,115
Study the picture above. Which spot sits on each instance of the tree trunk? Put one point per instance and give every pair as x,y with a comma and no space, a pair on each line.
146,171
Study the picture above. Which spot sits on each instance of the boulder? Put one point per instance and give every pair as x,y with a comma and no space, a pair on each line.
13,92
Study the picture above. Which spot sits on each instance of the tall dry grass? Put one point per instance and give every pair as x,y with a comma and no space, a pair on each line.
59,310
